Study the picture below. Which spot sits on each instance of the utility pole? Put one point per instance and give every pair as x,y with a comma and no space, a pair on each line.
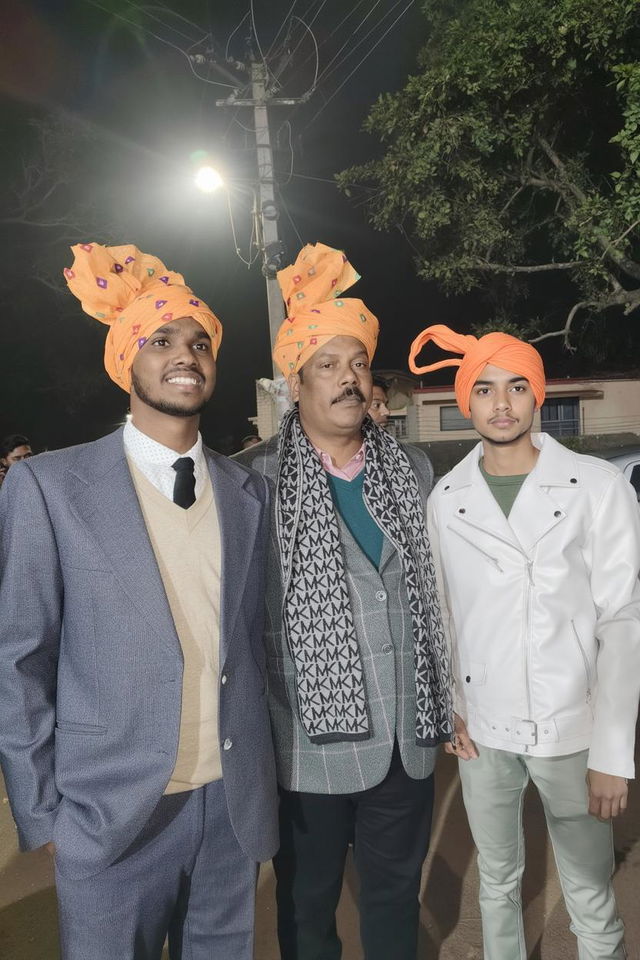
268,239
266,193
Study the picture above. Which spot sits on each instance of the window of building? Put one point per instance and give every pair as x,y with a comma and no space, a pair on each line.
561,417
452,419
397,427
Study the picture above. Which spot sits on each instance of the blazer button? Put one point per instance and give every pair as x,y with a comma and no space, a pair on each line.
573,480
467,679
227,744
381,595
462,510
386,648
223,679
557,513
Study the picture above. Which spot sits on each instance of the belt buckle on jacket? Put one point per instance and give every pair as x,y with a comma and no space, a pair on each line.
524,731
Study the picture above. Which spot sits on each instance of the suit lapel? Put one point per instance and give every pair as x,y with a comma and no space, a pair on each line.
108,506
238,519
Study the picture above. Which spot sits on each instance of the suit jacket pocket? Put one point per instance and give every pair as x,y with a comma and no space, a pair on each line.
84,729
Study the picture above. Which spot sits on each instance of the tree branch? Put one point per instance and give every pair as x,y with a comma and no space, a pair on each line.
629,299
624,263
533,268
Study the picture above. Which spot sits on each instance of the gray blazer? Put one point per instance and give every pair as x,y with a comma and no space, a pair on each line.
383,624
91,665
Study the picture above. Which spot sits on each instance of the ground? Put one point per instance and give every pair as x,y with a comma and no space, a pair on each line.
450,927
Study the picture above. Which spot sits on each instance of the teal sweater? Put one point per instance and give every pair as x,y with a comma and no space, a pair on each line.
348,499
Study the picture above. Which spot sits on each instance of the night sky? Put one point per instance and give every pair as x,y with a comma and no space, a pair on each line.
136,115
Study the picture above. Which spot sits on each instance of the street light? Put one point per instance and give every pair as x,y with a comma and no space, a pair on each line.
208,180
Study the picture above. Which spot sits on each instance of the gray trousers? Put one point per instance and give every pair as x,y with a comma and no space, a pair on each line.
493,788
184,876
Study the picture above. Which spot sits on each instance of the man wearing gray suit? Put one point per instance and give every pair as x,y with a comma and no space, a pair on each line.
134,730
356,660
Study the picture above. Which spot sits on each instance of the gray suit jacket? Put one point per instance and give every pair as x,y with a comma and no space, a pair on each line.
383,624
91,665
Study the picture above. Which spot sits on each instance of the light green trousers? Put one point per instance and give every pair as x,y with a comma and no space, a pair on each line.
493,788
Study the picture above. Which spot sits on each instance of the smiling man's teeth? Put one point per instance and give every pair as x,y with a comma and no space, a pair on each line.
183,380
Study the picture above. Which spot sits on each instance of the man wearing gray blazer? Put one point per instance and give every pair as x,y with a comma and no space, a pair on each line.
357,666
134,730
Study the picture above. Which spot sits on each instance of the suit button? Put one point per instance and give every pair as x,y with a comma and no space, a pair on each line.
387,648
462,510
227,744
467,679
223,679
381,595
557,513
573,480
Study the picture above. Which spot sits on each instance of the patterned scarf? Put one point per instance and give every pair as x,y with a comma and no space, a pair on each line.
318,621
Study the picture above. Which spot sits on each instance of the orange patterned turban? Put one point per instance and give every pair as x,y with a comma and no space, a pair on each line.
500,349
134,294
316,310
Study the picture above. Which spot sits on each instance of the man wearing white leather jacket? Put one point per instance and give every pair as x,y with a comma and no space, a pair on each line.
539,550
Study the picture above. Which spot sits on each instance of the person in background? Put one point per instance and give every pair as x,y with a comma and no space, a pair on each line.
540,553
13,449
379,410
134,730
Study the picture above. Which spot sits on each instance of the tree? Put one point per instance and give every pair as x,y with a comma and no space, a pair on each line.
515,151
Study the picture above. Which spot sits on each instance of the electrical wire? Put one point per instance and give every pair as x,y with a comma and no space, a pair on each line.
309,25
232,34
137,26
348,41
180,16
358,65
144,8
291,220
257,39
287,15
314,82
252,259
290,176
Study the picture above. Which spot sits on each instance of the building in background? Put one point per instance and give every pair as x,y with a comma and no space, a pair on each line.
573,408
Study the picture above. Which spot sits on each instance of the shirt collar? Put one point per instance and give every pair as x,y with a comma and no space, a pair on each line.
350,470
143,447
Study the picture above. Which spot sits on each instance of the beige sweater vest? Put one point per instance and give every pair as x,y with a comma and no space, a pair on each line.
186,544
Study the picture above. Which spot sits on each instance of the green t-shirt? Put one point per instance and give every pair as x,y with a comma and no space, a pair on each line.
504,489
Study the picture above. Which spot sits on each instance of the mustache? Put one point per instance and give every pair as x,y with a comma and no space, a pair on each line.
350,392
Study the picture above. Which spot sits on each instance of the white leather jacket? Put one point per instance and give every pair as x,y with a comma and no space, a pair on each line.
543,609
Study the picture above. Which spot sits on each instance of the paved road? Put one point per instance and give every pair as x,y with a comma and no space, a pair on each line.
450,928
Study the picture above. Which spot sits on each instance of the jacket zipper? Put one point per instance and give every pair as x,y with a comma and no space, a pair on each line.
527,638
585,660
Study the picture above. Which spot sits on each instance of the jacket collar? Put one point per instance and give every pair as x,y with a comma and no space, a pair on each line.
536,510
556,466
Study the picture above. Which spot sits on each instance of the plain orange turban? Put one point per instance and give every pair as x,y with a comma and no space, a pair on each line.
500,349
134,294
316,310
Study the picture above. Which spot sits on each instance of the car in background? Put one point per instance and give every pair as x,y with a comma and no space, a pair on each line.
626,459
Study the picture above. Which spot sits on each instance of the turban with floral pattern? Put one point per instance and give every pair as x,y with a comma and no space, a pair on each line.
134,294
499,349
316,310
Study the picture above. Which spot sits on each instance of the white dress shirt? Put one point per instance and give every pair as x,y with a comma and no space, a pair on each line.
155,461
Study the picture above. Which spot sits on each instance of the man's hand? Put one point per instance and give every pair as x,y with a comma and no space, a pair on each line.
607,794
462,745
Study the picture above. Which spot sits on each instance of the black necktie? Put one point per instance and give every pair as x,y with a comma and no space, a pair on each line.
184,489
